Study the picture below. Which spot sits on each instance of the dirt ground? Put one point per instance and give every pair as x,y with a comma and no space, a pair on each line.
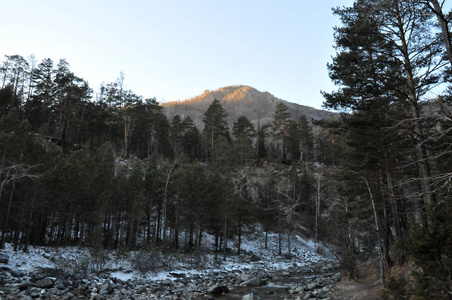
367,287
347,289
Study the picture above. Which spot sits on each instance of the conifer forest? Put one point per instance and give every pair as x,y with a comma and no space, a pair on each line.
108,169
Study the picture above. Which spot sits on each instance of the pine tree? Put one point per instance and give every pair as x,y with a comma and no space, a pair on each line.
215,126
280,127
306,139
244,133
191,140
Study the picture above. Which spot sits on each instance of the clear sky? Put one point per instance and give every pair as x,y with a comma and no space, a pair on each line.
176,49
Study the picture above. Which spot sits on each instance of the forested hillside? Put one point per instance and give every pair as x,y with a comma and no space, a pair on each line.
112,170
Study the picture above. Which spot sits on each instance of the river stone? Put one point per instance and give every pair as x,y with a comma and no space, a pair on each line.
308,296
192,288
141,289
252,282
312,286
248,297
168,282
298,289
107,287
243,277
25,284
70,295
217,289
34,292
23,295
140,282
16,273
117,297
326,289
44,283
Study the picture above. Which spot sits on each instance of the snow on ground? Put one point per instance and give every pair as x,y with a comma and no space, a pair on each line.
36,257
254,256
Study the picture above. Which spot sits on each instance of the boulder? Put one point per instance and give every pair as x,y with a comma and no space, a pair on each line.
44,283
25,284
252,282
141,289
107,287
218,289
248,297
243,277
313,285
16,273
192,288
168,282
308,296
24,296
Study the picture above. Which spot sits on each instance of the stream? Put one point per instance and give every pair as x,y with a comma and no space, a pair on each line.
294,285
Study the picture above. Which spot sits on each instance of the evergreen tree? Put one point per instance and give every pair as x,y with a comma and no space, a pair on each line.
293,141
280,129
176,135
191,140
194,185
306,139
244,133
215,126
71,92
38,109
388,54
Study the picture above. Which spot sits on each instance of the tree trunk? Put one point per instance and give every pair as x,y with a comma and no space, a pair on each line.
225,235
200,237
176,226
239,246
279,234
377,228
317,209
443,23
8,211
421,152
289,244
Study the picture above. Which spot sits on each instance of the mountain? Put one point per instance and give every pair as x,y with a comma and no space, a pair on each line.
239,100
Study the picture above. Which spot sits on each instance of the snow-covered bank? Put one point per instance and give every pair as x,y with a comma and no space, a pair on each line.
254,255
83,271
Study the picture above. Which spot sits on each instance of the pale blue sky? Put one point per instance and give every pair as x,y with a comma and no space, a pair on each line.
174,50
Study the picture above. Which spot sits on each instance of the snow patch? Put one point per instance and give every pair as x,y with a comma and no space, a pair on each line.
255,256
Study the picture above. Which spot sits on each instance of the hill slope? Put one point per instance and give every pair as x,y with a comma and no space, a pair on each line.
239,100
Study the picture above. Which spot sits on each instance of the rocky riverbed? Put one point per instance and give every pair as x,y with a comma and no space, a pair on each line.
258,273
310,281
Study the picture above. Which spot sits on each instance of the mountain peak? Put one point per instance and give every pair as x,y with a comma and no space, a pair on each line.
227,93
238,100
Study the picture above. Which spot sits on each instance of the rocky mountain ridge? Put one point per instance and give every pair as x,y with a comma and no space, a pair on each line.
240,100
